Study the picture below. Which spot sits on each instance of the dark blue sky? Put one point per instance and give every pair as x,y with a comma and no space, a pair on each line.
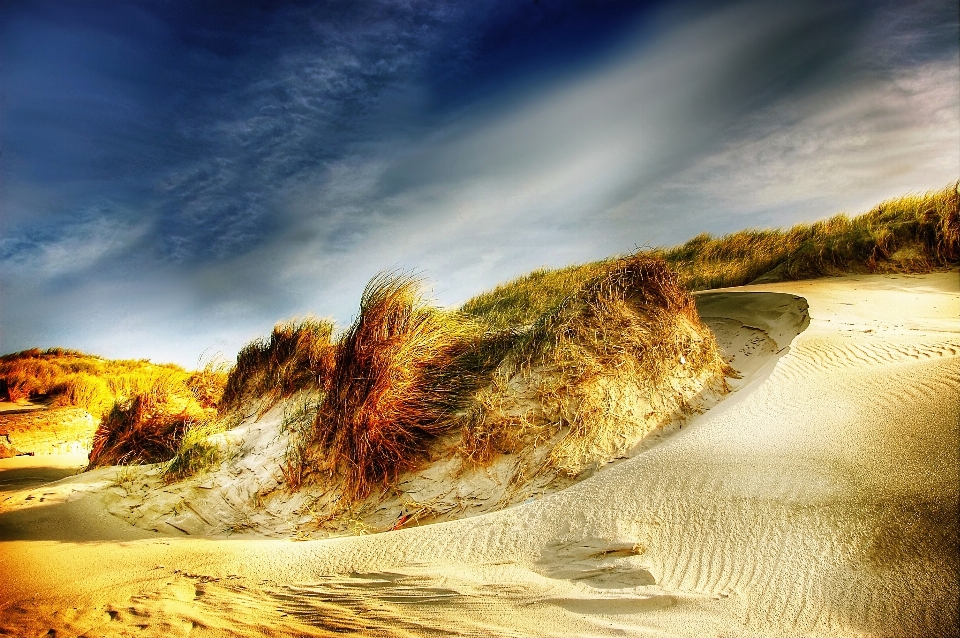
176,176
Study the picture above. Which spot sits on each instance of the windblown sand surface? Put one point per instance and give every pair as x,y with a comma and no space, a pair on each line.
820,498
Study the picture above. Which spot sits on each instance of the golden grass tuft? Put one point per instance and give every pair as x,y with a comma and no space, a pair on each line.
603,367
207,385
297,356
399,375
148,427
83,390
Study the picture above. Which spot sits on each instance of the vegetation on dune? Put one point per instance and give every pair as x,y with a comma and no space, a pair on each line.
585,335
149,426
915,233
520,302
299,415
73,378
144,408
549,353
152,413
600,364
195,451
400,372
297,356
585,358
406,372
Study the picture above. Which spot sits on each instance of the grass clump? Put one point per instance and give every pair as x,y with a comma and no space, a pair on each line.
83,390
609,363
298,418
207,384
148,427
195,451
400,373
522,301
297,356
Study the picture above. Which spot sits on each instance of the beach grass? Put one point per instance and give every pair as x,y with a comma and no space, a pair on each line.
399,374
913,233
298,355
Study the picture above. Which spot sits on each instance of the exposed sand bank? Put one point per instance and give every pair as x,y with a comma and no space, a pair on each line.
819,499
36,428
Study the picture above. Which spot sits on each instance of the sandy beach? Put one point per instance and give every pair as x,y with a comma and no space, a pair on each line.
820,498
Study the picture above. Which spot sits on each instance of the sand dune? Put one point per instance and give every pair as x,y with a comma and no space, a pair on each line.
820,499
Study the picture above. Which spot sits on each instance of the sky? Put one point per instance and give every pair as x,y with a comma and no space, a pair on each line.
177,176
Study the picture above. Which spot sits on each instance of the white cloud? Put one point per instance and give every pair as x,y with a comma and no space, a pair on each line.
76,247
843,149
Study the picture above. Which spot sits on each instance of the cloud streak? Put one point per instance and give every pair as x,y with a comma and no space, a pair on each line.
77,247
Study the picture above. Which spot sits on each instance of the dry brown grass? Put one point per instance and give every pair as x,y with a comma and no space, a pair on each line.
400,373
148,427
297,356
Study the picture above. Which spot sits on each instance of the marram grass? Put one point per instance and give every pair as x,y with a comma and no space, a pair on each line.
298,355
914,233
400,373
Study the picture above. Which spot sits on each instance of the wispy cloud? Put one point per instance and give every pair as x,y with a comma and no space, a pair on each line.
303,109
655,146
72,248
845,148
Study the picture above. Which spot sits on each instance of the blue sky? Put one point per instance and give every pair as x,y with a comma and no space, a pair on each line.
177,176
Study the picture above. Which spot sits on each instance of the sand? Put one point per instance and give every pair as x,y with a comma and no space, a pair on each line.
819,499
